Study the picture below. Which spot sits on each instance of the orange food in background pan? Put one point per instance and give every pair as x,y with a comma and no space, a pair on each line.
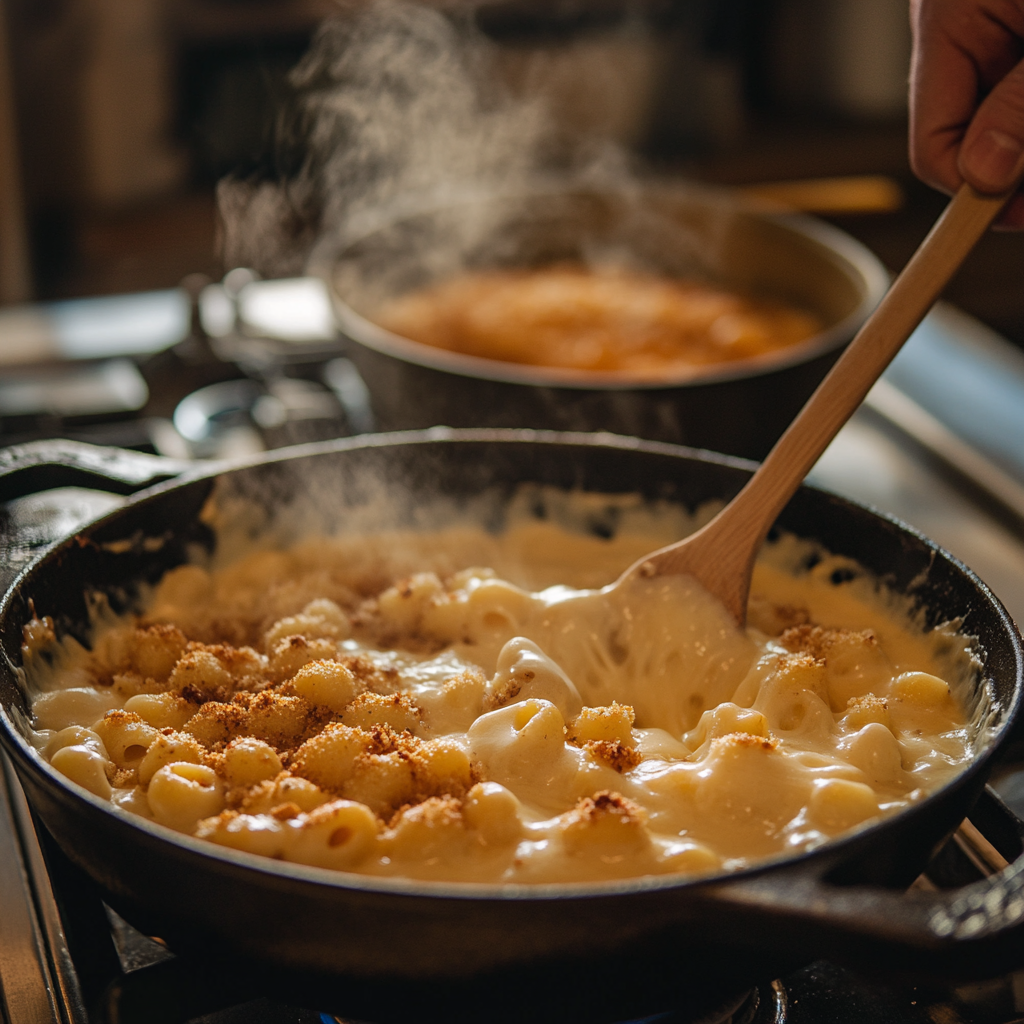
612,321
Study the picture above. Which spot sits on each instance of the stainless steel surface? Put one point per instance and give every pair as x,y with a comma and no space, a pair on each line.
970,378
939,441
869,465
885,470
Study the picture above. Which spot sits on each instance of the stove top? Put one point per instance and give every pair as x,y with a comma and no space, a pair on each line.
937,444
204,371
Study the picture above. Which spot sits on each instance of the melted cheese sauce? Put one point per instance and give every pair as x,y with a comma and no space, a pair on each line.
611,321
326,705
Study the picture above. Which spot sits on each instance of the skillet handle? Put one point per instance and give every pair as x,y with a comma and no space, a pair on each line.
42,465
975,931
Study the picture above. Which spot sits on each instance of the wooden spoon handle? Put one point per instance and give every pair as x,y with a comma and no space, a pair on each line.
738,531
903,307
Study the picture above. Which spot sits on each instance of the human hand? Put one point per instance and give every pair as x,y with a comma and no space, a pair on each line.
967,96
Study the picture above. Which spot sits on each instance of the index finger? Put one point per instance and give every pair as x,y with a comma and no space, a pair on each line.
960,51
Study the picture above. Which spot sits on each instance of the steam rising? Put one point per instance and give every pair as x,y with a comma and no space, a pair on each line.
394,108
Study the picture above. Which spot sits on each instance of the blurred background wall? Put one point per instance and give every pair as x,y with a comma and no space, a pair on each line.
121,115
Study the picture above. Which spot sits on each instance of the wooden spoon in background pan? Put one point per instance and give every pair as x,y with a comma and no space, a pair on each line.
721,555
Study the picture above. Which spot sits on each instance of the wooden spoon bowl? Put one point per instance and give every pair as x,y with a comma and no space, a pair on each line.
721,555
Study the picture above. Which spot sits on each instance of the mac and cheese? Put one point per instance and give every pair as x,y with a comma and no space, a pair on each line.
326,706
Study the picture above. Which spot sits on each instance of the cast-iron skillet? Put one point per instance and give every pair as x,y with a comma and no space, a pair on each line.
384,949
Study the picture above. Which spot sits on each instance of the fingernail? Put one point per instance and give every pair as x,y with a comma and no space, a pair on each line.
994,161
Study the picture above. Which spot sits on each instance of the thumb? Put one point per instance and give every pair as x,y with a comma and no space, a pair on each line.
992,154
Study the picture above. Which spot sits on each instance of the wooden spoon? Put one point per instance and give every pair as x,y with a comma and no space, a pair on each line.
721,555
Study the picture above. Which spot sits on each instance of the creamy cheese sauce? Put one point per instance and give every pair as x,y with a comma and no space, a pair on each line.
327,705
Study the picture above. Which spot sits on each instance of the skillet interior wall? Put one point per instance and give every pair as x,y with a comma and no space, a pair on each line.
120,560
421,487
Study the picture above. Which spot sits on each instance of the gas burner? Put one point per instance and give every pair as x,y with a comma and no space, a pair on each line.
244,416
275,373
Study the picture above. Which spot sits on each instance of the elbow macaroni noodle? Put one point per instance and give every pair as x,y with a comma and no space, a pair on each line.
326,706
